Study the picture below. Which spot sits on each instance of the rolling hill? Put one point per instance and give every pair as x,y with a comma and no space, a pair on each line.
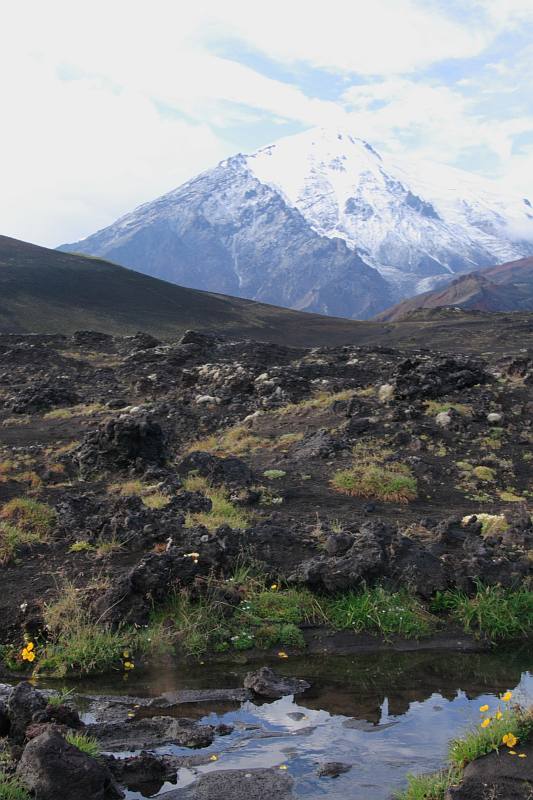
506,287
46,291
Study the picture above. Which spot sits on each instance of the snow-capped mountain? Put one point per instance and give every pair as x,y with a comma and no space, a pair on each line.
320,221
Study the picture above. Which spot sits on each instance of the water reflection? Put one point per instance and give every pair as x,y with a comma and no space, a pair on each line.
386,714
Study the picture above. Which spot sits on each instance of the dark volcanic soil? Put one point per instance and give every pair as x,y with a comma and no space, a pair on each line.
102,428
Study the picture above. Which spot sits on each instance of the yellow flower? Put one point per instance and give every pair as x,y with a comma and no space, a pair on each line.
486,722
28,653
282,654
129,665
512,752
274,587
509,739
522,755
507,696
484,708
498,715
283,766
213,757
126,654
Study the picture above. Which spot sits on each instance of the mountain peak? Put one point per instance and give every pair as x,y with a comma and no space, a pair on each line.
320,221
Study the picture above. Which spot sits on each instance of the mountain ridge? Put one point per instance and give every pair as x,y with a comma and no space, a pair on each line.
321,222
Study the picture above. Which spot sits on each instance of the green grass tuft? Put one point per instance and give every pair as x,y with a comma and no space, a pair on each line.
380,611
493,611
391,483
86,744
11,788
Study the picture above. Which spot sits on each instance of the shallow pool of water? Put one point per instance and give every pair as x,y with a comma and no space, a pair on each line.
386,715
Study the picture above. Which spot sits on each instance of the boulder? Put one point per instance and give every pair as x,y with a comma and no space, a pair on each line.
51,768
230,471
238,784
24,701
266,683
332,769
125,442
5,722
151,732
498,775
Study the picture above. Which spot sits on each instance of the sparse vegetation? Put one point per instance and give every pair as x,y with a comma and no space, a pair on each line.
82,410
23,521
434,407
223,511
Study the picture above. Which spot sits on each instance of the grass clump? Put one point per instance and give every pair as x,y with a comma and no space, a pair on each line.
77,645
380,611
274,474
237,441
322,400
430,787
223,511
11,788
391,482
493,611
23,521
434,407
150,496
491,524
87,744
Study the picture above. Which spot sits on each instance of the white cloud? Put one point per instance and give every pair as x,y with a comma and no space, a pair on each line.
86,138
381,37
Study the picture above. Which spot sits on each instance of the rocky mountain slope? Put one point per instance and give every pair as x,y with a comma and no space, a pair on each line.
506,287
320,221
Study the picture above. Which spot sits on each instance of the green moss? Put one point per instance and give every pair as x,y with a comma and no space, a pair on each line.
484,473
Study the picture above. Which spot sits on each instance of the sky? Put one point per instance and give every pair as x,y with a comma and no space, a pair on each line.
109,104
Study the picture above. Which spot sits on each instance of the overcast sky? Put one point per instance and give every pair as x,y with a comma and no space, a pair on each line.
107,104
